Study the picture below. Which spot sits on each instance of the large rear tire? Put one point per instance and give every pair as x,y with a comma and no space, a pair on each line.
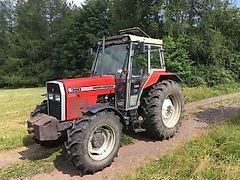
93,141
162,109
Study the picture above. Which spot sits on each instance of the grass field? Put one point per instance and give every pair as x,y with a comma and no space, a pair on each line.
212,156
15,108
16,105
198,93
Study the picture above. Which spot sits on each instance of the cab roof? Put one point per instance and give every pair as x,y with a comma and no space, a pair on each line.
147,40
134,38
134,34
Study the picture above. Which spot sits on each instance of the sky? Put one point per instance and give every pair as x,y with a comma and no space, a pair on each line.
78,2
238,3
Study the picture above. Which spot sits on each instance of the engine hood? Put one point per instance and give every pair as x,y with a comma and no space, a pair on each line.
89,83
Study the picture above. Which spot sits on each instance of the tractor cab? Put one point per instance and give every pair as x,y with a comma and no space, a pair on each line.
131,57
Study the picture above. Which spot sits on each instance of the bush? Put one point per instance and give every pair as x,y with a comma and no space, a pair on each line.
177,58
16,81
210,76
215,75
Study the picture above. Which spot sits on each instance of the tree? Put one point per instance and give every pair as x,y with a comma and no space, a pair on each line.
87,26
48,39
33,40
177,58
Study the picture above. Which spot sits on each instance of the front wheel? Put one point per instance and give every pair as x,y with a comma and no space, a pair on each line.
94,140
162,109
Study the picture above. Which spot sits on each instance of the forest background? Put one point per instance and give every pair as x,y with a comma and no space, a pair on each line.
49,39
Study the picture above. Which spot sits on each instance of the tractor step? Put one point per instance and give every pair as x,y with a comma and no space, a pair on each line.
137,127
139,130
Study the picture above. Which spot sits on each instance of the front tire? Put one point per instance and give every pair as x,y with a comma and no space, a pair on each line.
93,141
162,109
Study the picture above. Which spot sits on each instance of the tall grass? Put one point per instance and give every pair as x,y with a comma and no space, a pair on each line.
213,156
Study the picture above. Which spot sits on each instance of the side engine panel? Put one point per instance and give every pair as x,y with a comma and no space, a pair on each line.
84,92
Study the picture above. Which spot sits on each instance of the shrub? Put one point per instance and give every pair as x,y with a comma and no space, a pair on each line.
177,58
215,75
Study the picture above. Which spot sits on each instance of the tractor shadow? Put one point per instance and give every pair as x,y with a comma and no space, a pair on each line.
57,155
130,137
217,115
35,152
64,165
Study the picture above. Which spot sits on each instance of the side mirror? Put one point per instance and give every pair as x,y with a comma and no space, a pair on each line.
141,47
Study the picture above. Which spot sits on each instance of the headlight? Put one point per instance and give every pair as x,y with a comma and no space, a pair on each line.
57,98
50,96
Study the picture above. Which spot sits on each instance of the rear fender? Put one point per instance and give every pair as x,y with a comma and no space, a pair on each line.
101,107
157,76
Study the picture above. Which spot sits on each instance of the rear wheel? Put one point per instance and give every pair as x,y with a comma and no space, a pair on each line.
162,109
94,140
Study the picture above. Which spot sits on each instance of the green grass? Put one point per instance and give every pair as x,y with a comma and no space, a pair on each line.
212,156
126,140
15,108
198,93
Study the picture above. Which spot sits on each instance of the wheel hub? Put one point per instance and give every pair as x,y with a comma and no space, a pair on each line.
101,142
170,109
97,140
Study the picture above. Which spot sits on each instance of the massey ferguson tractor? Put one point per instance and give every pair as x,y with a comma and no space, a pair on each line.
128,88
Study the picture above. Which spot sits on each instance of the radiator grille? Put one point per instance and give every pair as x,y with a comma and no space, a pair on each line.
54,107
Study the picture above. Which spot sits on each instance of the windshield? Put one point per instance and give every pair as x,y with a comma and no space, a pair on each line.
113,61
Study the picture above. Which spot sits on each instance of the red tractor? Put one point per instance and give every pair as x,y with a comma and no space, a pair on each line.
128,87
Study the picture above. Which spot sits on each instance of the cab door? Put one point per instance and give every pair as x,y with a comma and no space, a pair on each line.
121,78
142,62
139,75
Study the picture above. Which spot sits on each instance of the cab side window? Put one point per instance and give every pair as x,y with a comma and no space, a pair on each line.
139,64
155,57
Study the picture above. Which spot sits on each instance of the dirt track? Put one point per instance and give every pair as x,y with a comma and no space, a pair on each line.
143,150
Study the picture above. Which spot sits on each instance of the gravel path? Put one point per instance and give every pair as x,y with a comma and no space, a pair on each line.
142,151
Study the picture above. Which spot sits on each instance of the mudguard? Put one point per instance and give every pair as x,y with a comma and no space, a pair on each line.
101,107
156,76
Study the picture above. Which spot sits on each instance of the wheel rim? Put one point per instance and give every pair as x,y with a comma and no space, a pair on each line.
171,111
101,142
